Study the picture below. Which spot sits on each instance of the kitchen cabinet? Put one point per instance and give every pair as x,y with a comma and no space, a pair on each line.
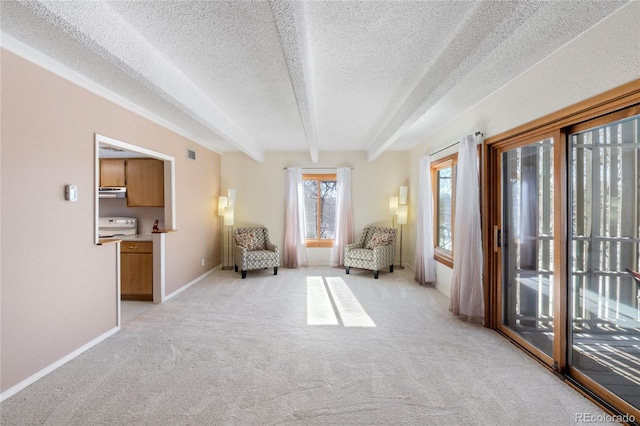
112,172
143,178
145,182
136,270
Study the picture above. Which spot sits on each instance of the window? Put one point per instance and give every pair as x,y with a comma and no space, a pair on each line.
443,174
320,209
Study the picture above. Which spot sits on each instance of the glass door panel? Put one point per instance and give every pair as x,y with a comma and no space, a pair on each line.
527,243
604,179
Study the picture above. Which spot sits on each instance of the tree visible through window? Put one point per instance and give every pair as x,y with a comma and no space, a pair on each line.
444,216
320,208
443,174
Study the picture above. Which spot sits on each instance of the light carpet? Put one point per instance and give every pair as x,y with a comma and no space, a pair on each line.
229,351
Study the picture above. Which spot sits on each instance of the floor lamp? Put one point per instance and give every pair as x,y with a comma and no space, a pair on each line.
393,209
228,221
403,211
222,204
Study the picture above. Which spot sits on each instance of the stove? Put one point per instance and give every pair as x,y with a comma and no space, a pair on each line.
117,226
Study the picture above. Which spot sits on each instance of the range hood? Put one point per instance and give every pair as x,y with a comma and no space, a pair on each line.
112,192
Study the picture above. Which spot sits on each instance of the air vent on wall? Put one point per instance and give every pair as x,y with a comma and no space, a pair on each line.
191,154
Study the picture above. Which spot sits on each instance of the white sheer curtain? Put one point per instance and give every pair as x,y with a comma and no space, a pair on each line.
295,250
467,298
344,216
425,272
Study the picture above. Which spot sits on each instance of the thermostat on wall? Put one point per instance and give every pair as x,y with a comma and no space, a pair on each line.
71,192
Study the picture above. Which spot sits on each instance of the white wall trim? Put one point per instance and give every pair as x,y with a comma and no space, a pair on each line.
14,45
40,374
158,267
189,284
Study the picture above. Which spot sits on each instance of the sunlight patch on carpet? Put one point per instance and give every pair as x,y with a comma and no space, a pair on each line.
350,310
319,308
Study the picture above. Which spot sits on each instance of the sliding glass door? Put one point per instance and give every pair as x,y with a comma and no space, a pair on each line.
527,243
604,179
562,247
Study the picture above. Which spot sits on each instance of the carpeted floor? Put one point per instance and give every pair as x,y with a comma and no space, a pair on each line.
229,351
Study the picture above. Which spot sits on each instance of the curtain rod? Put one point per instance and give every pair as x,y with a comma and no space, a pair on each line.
453,144
318,167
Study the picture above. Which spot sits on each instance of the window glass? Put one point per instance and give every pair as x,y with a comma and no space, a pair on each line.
444,217
320,209
311,207
443,179
328,209
527,242
604,246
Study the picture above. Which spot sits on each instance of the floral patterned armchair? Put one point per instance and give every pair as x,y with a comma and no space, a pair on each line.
253,250
376,250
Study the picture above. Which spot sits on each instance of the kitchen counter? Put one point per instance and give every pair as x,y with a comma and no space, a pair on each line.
137,237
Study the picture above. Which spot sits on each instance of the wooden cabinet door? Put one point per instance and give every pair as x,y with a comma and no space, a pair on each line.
136,276
112,172
145,182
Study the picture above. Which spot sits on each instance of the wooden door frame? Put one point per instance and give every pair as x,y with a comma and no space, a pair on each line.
493,259
625,97
606,103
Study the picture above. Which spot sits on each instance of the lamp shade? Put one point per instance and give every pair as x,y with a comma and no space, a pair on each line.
393,206
232,197
228,216
403,195
222,203
403,212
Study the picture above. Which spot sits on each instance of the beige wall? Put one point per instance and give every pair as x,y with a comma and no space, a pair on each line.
58,288
261,189
604,57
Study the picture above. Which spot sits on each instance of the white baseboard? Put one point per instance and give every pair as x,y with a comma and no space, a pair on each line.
189,284
40,374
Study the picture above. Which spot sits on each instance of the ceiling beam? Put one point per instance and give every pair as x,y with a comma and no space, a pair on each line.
289,20
482,30
96,26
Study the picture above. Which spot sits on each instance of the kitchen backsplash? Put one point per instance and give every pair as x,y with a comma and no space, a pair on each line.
145,215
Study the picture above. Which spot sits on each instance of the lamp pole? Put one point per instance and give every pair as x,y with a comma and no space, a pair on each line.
228,221
403,211
222,204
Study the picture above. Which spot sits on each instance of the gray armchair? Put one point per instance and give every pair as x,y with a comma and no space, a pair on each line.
253,250
376,250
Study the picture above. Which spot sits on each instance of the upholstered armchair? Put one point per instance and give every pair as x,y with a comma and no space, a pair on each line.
376,250
253,250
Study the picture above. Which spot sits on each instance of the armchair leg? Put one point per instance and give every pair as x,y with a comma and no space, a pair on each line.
275,270
347,269
235,267
244,274
375,274
391,268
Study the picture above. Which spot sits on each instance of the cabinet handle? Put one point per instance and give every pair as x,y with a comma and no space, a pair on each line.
133,247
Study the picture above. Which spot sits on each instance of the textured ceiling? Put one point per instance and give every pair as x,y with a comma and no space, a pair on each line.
260,76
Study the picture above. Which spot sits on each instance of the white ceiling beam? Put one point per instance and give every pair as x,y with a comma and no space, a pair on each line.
482,30
289,20
96,26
